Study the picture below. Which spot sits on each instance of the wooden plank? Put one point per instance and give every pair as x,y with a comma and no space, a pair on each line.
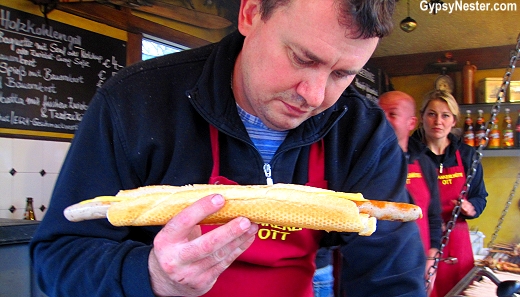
184,15
124,20
134,51
422,63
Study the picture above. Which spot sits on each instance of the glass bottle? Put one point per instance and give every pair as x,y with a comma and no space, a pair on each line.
480,129
29,210
494,135
508,140
469,134
517,131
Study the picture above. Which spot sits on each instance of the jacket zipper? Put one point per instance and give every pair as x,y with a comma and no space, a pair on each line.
267,172
440,168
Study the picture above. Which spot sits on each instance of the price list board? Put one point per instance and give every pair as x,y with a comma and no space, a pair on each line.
368,82
49,72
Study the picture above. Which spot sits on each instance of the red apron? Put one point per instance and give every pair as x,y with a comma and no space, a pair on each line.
281,261
451,181
418,189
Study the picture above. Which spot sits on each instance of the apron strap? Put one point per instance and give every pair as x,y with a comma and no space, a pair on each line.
459,160
316,175
215,152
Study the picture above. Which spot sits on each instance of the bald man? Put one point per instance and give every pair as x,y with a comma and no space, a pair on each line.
421,183
399,109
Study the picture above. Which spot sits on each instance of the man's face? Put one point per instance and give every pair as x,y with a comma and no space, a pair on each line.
400,114
297,63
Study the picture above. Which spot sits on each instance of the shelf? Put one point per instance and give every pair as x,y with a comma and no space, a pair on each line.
501,153
486,107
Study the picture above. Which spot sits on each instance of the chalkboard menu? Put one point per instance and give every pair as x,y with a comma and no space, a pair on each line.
372,81
49,72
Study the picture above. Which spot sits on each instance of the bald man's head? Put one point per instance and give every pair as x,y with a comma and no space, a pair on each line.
399,109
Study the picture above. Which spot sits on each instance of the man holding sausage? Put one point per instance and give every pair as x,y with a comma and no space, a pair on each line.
265,104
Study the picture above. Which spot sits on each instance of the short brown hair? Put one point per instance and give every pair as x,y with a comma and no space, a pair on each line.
373,18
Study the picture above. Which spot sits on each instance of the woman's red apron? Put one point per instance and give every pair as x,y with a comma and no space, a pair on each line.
451,181
281,261
418,189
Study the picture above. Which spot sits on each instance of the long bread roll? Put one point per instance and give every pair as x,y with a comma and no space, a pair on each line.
279,204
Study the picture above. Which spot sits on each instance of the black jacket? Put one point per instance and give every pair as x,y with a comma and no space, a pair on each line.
477,192
150,125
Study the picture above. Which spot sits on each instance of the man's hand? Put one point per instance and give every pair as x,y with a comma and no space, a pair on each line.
183,262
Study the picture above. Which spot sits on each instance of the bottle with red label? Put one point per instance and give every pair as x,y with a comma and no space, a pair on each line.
469,134
517,131
494,135
508,140
480,129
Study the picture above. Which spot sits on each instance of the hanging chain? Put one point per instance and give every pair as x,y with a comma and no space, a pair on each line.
504,212
477,158
514,58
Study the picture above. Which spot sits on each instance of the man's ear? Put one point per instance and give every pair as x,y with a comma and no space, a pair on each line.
249,9
412,123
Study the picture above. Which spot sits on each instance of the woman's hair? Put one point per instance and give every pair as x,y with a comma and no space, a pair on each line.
444,96
373,18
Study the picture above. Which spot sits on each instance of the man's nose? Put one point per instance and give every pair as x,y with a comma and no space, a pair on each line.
313,90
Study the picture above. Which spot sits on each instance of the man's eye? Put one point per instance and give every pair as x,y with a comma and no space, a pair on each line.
341,74
300,61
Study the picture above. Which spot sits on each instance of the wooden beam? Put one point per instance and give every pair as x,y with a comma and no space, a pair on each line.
184,15
124,20
134,52
423,63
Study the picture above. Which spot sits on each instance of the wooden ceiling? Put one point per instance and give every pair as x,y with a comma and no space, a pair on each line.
209,14
190,22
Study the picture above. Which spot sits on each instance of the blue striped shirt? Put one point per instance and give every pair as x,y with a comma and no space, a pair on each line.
266,140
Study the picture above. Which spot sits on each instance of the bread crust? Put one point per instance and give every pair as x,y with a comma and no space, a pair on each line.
279,204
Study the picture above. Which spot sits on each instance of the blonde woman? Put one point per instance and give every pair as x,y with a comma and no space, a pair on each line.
438,116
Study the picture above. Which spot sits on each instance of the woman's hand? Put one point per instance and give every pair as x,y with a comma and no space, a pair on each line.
466,208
